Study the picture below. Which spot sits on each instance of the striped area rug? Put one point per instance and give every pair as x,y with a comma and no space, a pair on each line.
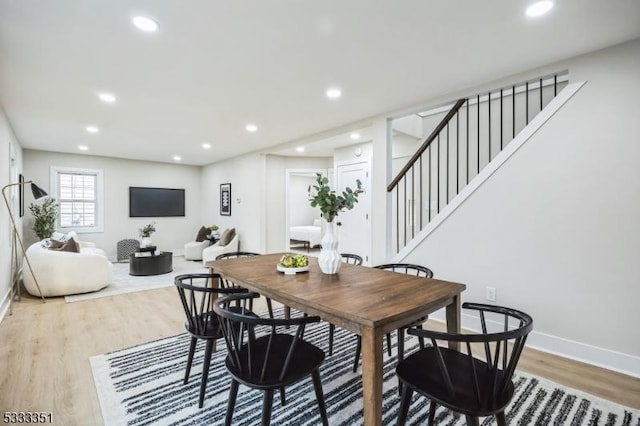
142,385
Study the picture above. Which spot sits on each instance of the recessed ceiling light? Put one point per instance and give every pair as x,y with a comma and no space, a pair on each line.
354,136
107,97
300,149
539,8
177,158
145,24
251,128
334,93
92,129
206,145
83,148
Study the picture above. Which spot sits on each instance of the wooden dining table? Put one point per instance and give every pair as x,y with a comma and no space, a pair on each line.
368,301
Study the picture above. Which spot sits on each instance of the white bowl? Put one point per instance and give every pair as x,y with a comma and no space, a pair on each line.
291,271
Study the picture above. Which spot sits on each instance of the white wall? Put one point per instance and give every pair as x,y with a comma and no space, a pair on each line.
275,178
300,211
246,175
348,153
171,232
258,197
556,229
7,139
275,203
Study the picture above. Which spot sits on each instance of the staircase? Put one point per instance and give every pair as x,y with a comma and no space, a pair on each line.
473,136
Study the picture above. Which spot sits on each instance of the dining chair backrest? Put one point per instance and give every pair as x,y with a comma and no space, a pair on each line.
236,254
488,370
233,255
197,294
407,268
258,352
230,284
261,357
352,259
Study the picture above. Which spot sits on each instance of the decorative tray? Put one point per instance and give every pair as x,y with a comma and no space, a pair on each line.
291,271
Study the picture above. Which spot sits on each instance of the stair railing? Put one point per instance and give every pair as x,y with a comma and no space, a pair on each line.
469,136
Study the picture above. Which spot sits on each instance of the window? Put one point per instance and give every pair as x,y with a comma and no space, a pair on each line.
80,196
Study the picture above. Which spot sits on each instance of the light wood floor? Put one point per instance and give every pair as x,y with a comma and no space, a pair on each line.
45,347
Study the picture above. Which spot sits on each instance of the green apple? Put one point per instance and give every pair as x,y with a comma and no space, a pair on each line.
301,260
288,261
294,261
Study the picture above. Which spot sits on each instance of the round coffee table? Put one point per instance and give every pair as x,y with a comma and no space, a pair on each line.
151,265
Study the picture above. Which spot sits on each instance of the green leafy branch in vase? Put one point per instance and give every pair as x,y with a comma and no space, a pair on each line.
147,230
330,203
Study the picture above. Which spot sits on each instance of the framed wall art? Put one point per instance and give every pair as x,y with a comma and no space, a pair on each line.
225,199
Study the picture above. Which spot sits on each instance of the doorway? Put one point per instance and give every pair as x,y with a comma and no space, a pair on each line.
354,226
299,213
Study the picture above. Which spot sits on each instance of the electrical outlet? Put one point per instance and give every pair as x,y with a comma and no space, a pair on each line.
491,294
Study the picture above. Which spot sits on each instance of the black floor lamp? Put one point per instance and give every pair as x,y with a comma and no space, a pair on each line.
38,194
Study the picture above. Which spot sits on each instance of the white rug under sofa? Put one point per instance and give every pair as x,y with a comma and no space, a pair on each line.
124,283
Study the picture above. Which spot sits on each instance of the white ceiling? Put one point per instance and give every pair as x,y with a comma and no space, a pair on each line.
215,66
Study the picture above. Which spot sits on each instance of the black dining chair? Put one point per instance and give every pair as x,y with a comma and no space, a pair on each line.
402,268
197,294
230,284
351,259
474,384
261,357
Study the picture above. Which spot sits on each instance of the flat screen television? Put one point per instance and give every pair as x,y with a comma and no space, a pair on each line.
155,202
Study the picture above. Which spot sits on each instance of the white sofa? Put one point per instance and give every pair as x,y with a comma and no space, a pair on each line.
61,273
210,253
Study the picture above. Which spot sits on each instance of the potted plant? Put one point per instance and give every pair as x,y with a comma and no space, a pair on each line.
45,217
331,204
214,230
145,234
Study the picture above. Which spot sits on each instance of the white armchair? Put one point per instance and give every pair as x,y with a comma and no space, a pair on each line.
210,253
193,250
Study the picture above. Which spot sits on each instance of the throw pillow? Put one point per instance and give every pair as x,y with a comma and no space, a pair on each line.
227,236
70,245
223,238
202,234
65,237
55,244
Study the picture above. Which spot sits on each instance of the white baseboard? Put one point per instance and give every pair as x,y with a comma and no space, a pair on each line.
566,348
594,355
4,305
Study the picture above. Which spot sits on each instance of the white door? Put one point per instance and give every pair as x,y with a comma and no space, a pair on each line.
353,227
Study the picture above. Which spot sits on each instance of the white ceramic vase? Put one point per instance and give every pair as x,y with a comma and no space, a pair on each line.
329,259
146,242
